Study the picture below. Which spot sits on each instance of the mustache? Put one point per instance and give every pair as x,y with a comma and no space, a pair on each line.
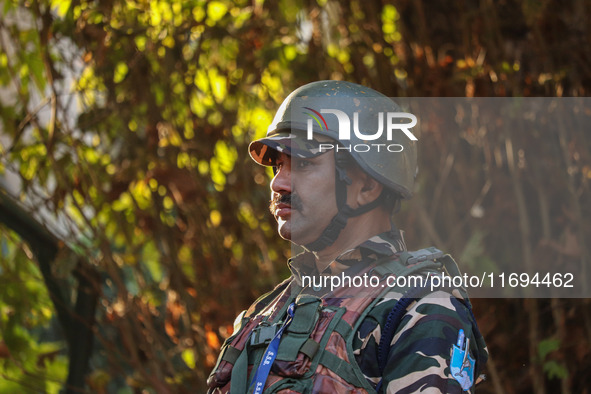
290,199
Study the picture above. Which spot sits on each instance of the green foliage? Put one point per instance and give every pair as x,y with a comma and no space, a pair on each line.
552,368
28,362
555,370
547,346
151,173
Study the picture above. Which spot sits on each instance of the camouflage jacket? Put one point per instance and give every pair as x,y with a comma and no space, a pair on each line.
421,351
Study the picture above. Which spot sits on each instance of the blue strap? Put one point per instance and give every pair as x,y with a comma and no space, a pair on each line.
262,372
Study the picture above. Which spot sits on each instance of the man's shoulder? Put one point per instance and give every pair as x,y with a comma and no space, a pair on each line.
268,297
422,338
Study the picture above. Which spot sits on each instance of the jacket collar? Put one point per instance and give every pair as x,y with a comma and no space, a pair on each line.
352,260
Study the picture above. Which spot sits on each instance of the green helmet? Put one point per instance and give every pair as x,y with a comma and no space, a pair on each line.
361,124
390,156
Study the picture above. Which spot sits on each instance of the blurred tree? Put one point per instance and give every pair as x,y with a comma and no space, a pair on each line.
128,123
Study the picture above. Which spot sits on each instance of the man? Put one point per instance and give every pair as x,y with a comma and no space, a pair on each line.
348,320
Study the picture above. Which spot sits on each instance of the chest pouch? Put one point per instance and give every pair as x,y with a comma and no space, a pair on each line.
296,347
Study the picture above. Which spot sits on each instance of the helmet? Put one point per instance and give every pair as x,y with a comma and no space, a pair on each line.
395,168
349,115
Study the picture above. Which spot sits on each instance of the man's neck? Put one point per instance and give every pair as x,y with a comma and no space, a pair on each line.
358,230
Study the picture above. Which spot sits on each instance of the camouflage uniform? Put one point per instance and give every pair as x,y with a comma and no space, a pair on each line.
420,352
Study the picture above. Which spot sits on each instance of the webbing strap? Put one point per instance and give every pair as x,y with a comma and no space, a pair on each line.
344,329
387,265
404,256
340,367
231,354
330,233
383,269
397,268
417,256
239,375
310,348
450,265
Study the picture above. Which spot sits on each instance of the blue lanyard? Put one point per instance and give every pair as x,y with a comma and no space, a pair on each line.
262,372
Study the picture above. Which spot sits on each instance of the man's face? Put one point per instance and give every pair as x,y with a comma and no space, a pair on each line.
303,196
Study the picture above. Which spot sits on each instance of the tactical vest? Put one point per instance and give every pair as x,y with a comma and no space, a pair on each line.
315,352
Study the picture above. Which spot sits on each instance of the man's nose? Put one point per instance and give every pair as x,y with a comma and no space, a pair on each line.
281,182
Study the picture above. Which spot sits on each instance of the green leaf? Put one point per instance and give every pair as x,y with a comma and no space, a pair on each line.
61,7
188,357
120,72
216,10
554,370
547,346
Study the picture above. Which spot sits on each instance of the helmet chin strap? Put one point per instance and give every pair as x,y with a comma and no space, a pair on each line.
344,212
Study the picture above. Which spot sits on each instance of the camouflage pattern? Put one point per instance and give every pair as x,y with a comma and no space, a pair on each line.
420,351
265,150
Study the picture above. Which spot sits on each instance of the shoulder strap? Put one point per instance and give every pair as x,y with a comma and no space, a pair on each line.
411,258
407,263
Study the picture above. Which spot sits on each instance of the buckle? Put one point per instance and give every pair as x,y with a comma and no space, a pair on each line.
263,334
424,254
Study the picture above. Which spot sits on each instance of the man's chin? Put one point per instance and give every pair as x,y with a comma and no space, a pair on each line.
284,230
285,236
295,238
286,233
298,236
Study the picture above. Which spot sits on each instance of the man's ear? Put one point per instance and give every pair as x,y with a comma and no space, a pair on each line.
370,190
